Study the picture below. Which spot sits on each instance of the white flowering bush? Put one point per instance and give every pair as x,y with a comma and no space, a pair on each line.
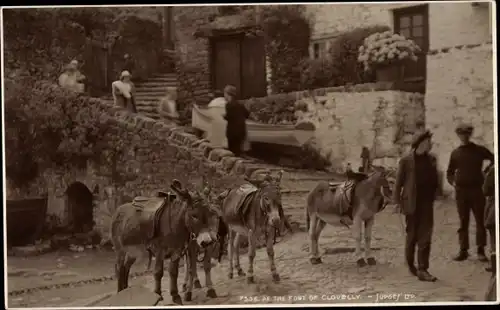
386,48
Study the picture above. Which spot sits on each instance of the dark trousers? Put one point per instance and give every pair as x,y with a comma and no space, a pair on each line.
470,199
419,227
234,144
493,240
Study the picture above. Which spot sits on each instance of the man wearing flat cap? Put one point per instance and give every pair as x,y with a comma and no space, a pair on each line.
236,116
414,192
465,174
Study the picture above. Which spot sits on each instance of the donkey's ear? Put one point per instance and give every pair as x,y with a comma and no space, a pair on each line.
176,186
280,176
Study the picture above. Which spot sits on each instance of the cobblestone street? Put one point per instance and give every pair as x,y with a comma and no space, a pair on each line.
337,280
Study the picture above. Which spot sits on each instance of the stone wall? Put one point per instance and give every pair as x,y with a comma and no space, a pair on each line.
381,120
162,152
460,88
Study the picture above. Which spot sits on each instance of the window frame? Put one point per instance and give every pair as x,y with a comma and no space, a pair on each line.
411,11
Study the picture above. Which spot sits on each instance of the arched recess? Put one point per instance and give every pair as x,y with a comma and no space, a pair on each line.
80,207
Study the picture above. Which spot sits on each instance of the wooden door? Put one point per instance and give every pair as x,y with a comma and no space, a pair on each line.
226,65
253,68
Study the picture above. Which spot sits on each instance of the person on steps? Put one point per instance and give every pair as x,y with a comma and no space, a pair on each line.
414,194
123,92
465,174
236,116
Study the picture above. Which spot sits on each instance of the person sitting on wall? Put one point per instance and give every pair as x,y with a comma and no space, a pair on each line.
236,116
123,91
72,79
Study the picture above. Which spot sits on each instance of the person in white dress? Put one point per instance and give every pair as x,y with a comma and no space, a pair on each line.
72,79
123,92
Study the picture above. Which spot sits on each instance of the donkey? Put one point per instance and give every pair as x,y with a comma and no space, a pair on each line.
252,209
163,226
353,202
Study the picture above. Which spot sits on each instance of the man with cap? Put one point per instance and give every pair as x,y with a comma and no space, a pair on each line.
236,116
465,174
414,193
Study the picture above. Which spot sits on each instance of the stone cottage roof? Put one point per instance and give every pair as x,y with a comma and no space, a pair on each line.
226,24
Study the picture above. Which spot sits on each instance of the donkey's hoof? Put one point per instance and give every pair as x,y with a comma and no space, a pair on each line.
184,287
176,299
371,261
241,273
211,293
361,262
161,297
230,275
315,260
197,284
250,280
188,296
276,277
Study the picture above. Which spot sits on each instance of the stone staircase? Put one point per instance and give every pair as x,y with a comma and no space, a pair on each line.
149,92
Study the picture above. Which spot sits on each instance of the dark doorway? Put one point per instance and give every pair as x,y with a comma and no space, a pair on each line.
240,61
80,208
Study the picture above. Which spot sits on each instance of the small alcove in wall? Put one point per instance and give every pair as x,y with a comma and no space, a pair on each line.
80,208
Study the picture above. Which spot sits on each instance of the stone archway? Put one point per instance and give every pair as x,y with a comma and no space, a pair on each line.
80,207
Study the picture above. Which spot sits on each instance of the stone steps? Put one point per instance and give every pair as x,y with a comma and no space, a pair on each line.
149,92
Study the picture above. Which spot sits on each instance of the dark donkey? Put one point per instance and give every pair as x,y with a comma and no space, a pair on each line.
164,226
356,202
215,250
251,210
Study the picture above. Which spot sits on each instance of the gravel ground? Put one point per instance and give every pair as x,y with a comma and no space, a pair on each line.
337,280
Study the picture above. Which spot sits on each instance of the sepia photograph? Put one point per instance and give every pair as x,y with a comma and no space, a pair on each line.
239,154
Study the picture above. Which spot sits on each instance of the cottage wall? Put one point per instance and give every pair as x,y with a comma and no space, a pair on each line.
450,24
459,84
347,121
460,88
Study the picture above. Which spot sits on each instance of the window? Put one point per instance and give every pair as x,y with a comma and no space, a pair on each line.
413,23
315,50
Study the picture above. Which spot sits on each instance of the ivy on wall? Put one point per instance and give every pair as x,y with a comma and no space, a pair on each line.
54,128
287,32
40,42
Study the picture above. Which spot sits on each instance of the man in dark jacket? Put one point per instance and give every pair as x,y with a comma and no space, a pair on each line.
236,116
415,191
465,173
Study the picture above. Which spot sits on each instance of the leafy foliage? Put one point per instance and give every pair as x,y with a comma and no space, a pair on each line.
39,42
286,30
269,110
51,127
344,55
317,73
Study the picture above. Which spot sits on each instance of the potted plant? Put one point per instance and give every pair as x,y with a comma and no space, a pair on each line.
386,53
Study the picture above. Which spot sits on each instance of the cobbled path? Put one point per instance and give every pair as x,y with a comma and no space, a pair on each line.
337,280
